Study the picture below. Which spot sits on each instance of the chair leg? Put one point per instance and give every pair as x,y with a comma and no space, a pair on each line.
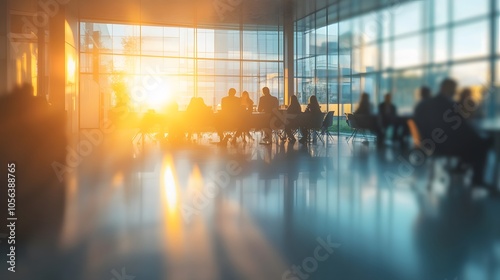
353,134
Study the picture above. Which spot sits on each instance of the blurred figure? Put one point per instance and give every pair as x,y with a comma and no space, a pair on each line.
267,103
425,93
364,106
312,110
388,117
174,126
230,113
246,101
293,111
231,103
247,107
367,120
33,145
438,121
197,116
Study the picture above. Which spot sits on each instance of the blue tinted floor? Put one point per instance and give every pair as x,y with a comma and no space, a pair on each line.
250,211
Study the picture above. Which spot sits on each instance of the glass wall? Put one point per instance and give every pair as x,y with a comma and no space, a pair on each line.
396,47
150,66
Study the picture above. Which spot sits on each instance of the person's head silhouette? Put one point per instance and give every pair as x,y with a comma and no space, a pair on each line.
425,92
266,91
232,92
313,100
448,88
388,98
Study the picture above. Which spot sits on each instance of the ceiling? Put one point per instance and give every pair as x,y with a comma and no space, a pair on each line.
210,13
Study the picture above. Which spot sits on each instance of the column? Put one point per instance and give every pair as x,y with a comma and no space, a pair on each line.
4,45
288,49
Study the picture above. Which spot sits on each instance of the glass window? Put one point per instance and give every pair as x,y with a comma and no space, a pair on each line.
407,52
227,44
463,9
441,14
369,61
370,26
470,40
441,45
470,74
206,43
407,18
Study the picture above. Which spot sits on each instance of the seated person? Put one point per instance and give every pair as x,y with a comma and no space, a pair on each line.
310,113
247,107
229,115
366,119
267,103
198,115
292,122
437,121
246,102
388,118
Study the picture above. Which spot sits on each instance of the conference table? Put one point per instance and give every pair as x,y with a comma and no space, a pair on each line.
181,122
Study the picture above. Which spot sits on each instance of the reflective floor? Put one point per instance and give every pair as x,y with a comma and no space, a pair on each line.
250,211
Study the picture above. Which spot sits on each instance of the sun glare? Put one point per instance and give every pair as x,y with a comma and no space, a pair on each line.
159,98
169,186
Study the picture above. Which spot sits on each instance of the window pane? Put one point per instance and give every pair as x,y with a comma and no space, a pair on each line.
463,9
408,18
441,46
407,52
470,40
440,12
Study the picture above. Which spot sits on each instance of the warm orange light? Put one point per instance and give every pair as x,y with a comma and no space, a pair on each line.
159,97
170,187
70,70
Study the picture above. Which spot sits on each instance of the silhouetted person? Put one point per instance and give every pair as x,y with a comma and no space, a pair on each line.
292,121
175,129
366,119
440,121
247,107
231,104
310,114
364,106
198,115
246,102
425,93
230,114
388,117
267,103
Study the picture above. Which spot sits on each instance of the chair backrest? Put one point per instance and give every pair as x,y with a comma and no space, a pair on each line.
313,120
415,133
351,120
328,121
